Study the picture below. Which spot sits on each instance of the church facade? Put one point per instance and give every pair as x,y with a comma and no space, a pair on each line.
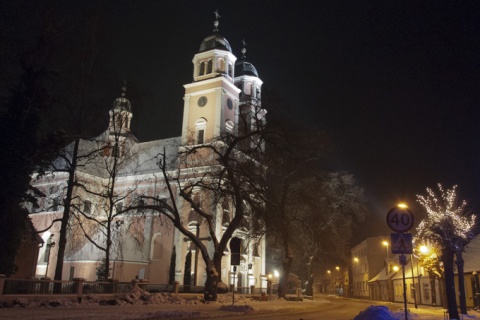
119,181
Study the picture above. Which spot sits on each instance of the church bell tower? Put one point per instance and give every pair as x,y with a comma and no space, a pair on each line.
211,101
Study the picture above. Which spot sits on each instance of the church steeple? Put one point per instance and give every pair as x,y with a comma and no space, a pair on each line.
247,80
211,100
120,114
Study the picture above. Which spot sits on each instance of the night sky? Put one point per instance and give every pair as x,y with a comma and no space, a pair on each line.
395,84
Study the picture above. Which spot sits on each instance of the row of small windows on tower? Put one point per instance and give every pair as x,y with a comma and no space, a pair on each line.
200,128
206,67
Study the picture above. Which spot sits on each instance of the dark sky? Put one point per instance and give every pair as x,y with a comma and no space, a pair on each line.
396,84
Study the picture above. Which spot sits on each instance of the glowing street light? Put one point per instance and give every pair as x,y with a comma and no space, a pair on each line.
424,249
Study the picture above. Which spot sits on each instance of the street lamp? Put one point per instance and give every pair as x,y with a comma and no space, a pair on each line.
386,244
337,280
329,277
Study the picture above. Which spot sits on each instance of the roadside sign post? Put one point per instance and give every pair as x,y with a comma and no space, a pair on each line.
400,220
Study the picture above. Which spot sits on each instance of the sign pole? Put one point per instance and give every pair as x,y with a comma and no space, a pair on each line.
404,259
400,219
233,290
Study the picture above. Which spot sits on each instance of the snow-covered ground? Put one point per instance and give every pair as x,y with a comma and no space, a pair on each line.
139,304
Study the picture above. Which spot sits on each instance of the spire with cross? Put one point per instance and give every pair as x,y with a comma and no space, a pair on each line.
215,22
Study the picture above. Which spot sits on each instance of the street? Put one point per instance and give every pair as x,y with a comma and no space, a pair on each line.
323,307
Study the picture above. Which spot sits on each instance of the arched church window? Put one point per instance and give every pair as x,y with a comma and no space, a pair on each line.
193,216
248,88
202,69
87,207
221,65
230,70
157,250
225,213
209,66
200,127
256,250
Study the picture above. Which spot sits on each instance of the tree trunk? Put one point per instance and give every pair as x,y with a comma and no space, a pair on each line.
282,285
107,255
210,293
171,273
62,239
187,274
461,283
447,258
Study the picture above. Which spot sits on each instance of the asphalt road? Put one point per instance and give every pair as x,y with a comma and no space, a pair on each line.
324,307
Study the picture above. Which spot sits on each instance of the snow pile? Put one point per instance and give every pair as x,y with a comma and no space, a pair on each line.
51,303
376,313
233,308
171,314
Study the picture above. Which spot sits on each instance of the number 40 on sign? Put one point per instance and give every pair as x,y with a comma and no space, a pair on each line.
400,219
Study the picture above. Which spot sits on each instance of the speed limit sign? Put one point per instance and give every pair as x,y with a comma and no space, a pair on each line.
400,219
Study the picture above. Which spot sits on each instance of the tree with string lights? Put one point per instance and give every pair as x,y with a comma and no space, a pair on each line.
449,227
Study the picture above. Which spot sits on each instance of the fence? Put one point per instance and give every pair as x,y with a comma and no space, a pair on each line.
10,289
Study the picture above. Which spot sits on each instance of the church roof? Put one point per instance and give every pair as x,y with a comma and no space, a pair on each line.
215,41
245,68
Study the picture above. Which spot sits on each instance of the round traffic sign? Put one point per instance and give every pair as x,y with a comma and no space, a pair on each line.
400,219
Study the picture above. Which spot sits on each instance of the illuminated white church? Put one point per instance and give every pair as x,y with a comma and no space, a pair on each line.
143,242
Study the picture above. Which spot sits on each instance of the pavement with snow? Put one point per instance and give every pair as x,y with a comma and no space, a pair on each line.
139,304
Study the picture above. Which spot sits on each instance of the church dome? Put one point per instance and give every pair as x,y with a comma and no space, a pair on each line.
215,41
245,68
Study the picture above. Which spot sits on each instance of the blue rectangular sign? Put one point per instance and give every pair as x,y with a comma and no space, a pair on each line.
401,243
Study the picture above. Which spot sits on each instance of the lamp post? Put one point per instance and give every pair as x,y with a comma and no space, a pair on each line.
337,280
386,244
355,274
329,278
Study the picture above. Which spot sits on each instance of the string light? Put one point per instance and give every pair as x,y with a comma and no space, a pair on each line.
445,220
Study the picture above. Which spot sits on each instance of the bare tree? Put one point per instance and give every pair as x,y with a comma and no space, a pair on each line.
223,175
449,227
110,157
310,212
73,80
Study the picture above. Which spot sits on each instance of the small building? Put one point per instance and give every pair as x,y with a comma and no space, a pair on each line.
471,258
369,258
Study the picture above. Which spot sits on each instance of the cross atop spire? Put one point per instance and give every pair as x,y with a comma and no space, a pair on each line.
124,88
244,49
215,22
